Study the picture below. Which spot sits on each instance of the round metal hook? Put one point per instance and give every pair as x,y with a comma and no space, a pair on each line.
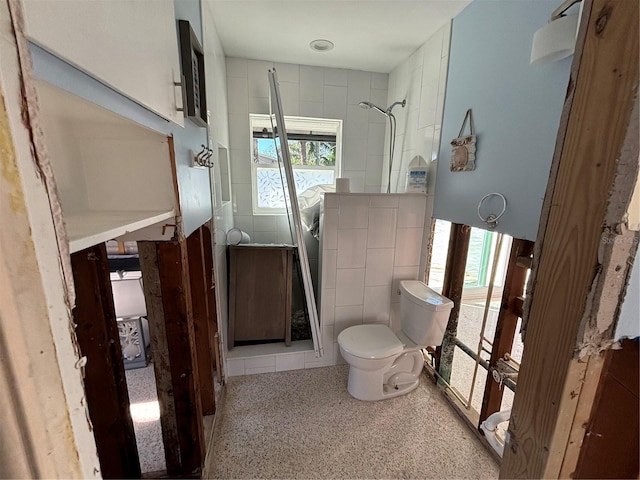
492,219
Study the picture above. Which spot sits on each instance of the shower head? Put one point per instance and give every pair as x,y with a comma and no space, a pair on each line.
386,112
371,105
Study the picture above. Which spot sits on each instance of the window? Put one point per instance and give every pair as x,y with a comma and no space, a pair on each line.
314,145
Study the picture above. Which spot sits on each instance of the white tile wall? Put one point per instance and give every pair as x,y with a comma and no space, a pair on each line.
365,254
371,242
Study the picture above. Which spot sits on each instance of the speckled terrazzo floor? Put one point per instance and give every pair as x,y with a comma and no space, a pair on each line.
304,424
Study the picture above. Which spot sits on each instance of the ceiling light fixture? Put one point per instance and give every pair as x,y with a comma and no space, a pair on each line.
321,45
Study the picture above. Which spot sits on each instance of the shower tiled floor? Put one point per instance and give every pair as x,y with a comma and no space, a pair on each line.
304,424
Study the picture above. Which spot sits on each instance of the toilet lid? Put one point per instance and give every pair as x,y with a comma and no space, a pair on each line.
370,341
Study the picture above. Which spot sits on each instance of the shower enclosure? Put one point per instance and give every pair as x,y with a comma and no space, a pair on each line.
293,210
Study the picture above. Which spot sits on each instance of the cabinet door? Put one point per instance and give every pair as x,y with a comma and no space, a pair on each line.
260,290
130,45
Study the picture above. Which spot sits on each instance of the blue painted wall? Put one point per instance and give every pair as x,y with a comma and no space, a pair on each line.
516,109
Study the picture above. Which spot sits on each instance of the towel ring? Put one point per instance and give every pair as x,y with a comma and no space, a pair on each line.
492,218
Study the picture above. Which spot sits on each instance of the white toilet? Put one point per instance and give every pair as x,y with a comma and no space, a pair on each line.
384,363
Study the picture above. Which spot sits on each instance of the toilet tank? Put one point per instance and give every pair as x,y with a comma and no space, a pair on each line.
423,313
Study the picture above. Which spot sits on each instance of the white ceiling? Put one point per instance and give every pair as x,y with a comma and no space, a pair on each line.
370,35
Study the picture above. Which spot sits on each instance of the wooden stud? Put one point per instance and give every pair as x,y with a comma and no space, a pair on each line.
452,289
148,254
207,248
610,448
174,280
507,322
170,281
105,381
200,306
583,250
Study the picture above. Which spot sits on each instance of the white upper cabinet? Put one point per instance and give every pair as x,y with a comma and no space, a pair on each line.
130,45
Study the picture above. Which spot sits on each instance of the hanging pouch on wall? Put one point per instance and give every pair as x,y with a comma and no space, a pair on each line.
463,148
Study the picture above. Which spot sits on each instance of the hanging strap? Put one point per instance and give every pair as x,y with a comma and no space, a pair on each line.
464,123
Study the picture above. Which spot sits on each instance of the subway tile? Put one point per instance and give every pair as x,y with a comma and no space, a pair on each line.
259,105
347,317
349,287
290,361
288,72
258,74
355,153
244,223
395,321
352,248
357,124
335,76
241,194
411,211
373,173
353,211
290,98
375,139
379,269
239,134
237,67
359,86
235,367
385,201
377,304
311,84
356,180
311,109
382,227
264,223
380,80
399,274
310,359
338,360
408,246
328,306
329,259
330,200
240,165
238,96
330,229
335,102
261,361
258,370
265,237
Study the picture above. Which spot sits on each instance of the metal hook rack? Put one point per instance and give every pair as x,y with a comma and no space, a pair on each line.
204,158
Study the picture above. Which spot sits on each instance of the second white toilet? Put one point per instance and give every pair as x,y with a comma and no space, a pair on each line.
384,363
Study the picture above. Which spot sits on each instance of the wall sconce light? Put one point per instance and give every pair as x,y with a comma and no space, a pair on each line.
557,39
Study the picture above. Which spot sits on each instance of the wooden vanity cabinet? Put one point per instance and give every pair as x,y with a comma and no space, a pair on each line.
260,293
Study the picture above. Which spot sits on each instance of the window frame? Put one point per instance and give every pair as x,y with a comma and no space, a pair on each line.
318,126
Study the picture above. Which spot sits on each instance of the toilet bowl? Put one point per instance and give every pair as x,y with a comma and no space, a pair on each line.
383,363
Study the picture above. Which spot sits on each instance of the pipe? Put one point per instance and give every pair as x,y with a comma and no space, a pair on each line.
489,428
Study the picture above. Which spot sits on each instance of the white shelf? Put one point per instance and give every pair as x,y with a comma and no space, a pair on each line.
90,228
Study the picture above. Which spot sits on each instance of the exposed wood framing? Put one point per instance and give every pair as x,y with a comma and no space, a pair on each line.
452,289
105,381
583,249
160,352
207,246
200,305
165,275
610,448
507,321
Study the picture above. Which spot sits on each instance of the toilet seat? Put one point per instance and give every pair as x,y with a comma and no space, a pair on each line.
370,341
